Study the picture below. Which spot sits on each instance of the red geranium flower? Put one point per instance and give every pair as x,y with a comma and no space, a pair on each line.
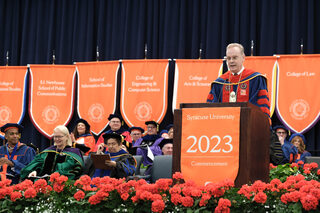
79,195
30,193
177,176
157,206
309,202
176,199
40,185
187,201
124,196
223,206
15,195
260,197
54,176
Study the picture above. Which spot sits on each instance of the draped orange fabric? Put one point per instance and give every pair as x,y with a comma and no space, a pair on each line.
144,89
51,96
12,94
213,149
265,65
193,79
97,88
298,101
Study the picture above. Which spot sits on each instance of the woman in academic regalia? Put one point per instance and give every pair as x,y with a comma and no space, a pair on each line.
60,157
82,137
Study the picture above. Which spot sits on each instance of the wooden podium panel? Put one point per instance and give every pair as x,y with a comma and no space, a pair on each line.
254,141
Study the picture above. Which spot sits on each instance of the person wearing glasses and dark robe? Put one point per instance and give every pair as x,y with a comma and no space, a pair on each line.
122,164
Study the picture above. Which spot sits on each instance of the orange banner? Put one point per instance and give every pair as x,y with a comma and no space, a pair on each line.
266,65
210,144
192,80
298,102
144,91
51,96
12,94
97,88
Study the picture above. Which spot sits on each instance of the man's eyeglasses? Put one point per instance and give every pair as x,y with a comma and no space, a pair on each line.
281,133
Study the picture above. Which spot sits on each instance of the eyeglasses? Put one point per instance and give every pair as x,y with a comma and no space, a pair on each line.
58,136
151,127
281,133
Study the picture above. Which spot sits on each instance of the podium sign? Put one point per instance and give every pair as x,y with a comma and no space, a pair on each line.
217,141
208,146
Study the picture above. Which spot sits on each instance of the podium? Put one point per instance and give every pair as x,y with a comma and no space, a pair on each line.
253,143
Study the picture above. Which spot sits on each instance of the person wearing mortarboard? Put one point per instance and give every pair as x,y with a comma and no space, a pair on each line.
122,163
82,137
135,133
290,152
14,155
143,145
116,125
299,141
170,130
166,146
164,133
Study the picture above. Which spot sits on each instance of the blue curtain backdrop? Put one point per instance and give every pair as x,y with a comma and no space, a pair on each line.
31,30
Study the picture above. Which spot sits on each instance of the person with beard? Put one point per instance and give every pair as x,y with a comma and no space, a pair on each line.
14,155
116,125
143,145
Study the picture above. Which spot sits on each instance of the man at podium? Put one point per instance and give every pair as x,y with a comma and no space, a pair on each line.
240,84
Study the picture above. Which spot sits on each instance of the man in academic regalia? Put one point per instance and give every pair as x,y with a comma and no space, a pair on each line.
240,84
116,125
14,155
143,144
122,164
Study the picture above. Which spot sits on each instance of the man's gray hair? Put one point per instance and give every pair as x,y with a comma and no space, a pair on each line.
236,45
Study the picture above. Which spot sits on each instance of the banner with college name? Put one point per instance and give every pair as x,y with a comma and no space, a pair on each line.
192,80
266,65
213,149
144,89
298,102
51,96
12,93
97,88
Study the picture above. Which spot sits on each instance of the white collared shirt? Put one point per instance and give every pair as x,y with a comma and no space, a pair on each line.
238,73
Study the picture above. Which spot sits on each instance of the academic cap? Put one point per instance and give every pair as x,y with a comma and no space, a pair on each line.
165,141
281,127
7,126
169,127
84,122
136,128
154,123
115,116
113,135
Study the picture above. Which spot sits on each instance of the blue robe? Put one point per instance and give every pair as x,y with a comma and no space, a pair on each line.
249,86
24,155
290,152
126,165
